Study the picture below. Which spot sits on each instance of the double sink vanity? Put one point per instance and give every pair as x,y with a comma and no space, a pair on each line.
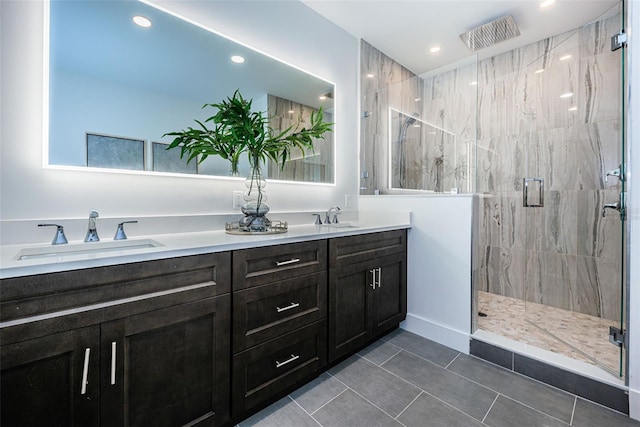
190,329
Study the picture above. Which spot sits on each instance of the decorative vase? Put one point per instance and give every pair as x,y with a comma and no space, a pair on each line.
255,208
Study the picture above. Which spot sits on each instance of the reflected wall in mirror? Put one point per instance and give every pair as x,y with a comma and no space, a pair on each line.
109,76
422,155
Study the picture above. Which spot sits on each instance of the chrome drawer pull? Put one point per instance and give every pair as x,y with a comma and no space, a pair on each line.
373,278
379,277
280,364
289,307
113,363
85,371
291,261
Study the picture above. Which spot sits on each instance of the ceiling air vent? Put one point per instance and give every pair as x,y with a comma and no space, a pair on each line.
486,35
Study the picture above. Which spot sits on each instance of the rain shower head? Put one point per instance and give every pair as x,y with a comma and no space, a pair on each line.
486,35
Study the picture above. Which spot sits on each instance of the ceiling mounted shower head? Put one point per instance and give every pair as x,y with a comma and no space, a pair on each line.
486,35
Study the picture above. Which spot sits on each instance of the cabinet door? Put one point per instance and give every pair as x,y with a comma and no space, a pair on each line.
42,380
390,302
350,304
168,367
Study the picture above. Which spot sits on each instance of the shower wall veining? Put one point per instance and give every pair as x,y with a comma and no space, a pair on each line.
565,254
510,122
385,84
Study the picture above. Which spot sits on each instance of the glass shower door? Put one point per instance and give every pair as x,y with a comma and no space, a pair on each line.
573,281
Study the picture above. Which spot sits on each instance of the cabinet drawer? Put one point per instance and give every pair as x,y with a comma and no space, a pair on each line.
364,247
265,312
270,369
258,266
27,296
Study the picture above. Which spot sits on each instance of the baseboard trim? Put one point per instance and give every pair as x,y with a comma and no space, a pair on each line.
441,334
634,404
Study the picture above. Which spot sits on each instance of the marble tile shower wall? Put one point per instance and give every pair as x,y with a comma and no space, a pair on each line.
564,254
316,166
384,84
446,106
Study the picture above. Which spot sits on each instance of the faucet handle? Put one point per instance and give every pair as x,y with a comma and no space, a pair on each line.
318,220
59,238
335,217
120,235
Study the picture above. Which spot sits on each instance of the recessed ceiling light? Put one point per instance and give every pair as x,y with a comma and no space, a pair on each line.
237,59
566,95
565,57
322,97
473,83
539,70
417,99
370,75
142,21
547,3
573,109
291,111
435,49
417,125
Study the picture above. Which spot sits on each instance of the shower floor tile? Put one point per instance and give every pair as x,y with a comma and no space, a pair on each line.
576,335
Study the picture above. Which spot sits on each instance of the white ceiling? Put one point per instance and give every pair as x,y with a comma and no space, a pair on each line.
406,29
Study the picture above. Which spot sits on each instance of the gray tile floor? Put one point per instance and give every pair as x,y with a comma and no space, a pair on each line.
406,380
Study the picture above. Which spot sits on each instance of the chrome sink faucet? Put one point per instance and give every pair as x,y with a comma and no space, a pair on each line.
334,220
92,232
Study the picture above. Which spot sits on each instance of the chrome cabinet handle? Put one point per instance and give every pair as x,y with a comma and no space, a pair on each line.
373,278
113,363
291,261
291,359
289,307
379,283
85,371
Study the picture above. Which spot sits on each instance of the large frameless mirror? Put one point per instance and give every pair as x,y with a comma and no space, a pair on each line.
115,88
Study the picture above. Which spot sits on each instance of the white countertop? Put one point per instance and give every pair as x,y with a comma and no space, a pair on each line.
183,244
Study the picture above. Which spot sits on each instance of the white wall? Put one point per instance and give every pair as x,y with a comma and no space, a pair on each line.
438,264
288,30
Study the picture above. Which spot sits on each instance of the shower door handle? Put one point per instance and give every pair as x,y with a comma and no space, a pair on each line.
533,182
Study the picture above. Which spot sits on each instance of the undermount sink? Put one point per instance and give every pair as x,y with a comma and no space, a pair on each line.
91,248
339,225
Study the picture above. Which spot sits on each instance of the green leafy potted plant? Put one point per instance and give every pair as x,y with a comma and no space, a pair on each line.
235,130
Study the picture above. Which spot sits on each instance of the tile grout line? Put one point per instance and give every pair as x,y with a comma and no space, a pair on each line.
573,412
454,359
370,402
330,400
304,410
410,403
533,409
490,408
398,352
426,392
519,375
477,383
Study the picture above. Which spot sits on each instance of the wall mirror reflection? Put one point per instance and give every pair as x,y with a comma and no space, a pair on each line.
111,77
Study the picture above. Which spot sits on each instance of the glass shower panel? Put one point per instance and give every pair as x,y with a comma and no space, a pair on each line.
573,247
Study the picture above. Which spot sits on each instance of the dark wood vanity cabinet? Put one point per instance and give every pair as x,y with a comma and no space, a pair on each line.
367,289
202,340
41,380
156,352
279,321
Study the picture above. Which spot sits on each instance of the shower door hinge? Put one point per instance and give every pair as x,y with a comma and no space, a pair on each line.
617,336
618,41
